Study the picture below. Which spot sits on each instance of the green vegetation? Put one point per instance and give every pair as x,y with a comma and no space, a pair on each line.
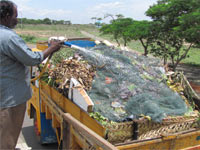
34,33
173,23
193,57
64,53
32,39
42,21
119,29
41,30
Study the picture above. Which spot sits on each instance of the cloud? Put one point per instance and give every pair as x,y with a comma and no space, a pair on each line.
83,13
104,8
136,9
58,14
129,8
21,2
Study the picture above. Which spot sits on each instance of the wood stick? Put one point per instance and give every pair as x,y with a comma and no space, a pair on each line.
88,133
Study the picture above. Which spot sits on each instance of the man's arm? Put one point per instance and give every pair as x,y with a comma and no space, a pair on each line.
55,46
18,50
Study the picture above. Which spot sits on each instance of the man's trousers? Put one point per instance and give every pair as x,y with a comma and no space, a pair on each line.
11,120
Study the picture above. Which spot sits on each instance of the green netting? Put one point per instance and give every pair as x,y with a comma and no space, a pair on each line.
128,85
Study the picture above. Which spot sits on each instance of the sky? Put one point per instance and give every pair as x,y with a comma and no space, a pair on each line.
81,11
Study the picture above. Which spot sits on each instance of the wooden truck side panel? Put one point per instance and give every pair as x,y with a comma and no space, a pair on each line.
171,142
49,96
68,106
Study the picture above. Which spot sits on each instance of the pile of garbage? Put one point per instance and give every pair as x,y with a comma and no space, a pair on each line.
59,76
122,84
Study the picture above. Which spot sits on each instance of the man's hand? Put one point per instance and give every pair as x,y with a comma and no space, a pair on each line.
54,46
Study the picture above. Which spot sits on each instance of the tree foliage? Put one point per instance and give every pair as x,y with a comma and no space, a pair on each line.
42,21
128,29
114,17
110,29
175,22
141,30
119,29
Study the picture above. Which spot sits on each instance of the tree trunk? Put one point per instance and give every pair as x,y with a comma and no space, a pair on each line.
117,41
145,47
125,42
182,57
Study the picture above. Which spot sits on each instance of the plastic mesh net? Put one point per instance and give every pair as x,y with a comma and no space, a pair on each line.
128,85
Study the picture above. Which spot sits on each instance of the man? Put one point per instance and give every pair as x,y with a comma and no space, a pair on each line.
15,57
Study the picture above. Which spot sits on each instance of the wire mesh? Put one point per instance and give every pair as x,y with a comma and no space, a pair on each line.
128,85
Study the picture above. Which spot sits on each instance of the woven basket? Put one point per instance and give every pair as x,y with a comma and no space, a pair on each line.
146,129
120,132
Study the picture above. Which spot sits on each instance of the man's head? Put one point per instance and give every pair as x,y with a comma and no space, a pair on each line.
8,13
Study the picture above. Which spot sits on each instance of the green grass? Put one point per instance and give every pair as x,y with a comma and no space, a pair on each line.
193,57
136,45
69,31
32,39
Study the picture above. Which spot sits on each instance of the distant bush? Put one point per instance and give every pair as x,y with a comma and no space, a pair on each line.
28,38
43,21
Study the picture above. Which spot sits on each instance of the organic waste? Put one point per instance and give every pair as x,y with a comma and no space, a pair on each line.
123,85
59,76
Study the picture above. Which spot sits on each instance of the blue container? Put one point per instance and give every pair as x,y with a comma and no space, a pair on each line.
80,43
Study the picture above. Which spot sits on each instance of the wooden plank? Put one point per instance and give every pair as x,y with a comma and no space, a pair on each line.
88,133
66,132
83,117
74,110
48,113
29,108
82,142
55,110
92,124
42,105
193,148
79,96
178,141
55,122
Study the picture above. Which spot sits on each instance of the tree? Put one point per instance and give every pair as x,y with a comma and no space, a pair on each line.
190,24
172,29
123,25
141,30
46,21
119,16
111,30
114,17
119,28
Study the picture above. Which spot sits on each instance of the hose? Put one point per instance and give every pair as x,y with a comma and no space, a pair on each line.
45,66
43,70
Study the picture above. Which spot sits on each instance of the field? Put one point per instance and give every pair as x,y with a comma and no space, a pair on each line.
34,33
